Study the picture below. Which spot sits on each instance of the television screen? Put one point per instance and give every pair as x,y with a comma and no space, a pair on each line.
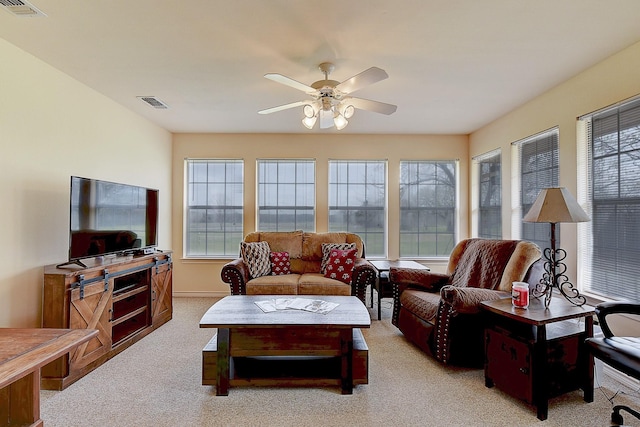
107,218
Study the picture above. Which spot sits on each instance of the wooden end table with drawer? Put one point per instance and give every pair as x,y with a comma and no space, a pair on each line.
537,353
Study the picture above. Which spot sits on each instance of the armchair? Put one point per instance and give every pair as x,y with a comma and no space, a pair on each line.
621,353
440,312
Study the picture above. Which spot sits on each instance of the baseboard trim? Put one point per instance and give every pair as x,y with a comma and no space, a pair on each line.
624,379
190,294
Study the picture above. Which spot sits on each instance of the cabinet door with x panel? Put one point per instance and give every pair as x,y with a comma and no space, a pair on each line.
90,311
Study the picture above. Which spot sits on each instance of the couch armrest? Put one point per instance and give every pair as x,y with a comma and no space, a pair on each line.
421,279
467,300
364,275
236,274
458,336
404,278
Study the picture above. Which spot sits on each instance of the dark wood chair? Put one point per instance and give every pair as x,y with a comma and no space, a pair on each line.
621,353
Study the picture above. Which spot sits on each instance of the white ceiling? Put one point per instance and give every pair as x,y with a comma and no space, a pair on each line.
453,65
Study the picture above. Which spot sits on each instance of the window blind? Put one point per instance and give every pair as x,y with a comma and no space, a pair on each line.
489,168
286,195
610,184
358,201
539,167
214,207
428,208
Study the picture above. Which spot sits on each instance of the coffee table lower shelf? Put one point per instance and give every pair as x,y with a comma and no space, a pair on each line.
287,371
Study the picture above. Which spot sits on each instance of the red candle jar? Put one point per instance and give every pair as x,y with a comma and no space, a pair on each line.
520,294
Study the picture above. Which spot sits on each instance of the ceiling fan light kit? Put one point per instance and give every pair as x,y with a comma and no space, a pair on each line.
331,100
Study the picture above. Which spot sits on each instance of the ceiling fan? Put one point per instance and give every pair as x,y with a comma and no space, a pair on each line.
330,101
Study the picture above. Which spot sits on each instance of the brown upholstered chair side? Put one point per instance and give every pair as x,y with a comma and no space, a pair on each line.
440,313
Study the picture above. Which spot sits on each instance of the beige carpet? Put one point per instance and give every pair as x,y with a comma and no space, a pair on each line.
156,382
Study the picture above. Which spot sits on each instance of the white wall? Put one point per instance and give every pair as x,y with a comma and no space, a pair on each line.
52,127
610,81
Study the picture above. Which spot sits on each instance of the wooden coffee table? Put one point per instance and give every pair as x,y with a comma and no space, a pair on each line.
286,347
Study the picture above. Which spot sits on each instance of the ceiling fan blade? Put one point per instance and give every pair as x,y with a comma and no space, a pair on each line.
367,104
279,78
283,107
365,78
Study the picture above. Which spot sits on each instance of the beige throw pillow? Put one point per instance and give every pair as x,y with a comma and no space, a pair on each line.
256,256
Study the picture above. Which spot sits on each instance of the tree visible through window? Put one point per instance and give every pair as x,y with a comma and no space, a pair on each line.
357,201
427,208
214,207
286,195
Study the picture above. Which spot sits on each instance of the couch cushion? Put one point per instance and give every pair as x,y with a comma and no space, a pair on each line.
326,249
317,284
422,304
256,256
274,285
280,263
340,264
312,243
279,241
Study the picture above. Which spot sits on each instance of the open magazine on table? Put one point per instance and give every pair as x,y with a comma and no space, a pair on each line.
306,304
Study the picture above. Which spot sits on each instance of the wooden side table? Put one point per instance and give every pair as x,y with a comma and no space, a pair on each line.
382,285
22,353
534,354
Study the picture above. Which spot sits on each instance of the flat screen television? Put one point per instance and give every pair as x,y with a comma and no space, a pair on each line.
110,218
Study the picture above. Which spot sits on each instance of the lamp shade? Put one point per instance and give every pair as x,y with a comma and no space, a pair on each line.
309,122
555,205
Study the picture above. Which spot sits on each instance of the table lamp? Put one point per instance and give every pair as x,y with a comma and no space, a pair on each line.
554,205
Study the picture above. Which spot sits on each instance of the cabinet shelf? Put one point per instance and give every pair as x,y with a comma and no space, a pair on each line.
131,291
124,318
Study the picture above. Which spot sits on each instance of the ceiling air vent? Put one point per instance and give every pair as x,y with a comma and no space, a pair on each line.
153,101
21,8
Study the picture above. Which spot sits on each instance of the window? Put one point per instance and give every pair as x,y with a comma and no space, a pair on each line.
286,195
357,201
428,195
608,244
490,195
538,158
214,214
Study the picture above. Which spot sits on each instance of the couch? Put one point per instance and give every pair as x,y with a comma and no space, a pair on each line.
440,312
304,274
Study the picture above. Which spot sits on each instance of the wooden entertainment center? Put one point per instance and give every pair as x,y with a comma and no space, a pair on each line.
123,297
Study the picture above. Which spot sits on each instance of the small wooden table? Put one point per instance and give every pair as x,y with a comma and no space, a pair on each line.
382,285
22,353
536,353
248,336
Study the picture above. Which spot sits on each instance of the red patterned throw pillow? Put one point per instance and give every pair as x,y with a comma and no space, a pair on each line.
280,263
326,251
340,265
